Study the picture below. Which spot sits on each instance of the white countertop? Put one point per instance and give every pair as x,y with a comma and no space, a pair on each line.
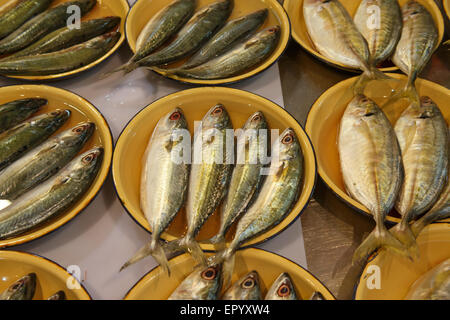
104,236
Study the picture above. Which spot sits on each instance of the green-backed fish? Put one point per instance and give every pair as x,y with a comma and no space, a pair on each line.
60,295
61,61
380,22
164,180
165,24
18,140
202,284
423,137
417,43
199,29
246,288
252,146
42,24
277,196
22,289
52,197
244,56
371,166
14,112
282,289
14,17
224,40
66,37
43,161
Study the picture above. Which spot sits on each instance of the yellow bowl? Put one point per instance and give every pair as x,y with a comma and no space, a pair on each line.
51,277
322,126
294,9
82,110
156,285
143,10
397,274
195,103
446,4
103,8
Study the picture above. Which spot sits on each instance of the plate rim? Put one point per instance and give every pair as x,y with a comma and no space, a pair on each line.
39,258
439,25
224,81
75,72
28,238
248,243
344,198
251,249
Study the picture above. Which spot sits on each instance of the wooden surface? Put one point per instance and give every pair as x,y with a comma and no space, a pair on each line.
332,231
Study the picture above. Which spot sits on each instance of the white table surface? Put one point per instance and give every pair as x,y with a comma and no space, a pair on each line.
104,236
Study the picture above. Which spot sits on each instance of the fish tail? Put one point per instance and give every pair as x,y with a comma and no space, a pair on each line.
367,76
379,238
409,92
227,259
218,241
405,234
126,68
191,246
138,256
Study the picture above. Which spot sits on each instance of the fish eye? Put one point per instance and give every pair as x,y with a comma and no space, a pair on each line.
175,116
256,118
209,274
16,286
88,158
284,290
248,283
78,129
217,111
288,139
55,113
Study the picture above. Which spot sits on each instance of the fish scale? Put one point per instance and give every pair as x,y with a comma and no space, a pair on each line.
14,112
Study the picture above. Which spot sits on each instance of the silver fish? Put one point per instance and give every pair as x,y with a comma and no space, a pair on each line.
22,289
246,288
282,289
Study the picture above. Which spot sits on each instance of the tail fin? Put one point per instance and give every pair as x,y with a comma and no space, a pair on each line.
406,235
126,68
409,92
379,238
218,241
159,253
191,246
367,76
225,257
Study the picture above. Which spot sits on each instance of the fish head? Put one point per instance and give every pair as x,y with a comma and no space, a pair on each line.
411,9
257,121
282,289
34,104
86,164
217,118
361,107
22,289
173,121
427,110
85,5
270,33
250,284
203,283
288,145
79,134
54,118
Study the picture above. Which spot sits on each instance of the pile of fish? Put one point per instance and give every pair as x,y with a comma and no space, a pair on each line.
216,48
255,201
38,40
40,173
206,284
24,289
433,285
379,30
405,166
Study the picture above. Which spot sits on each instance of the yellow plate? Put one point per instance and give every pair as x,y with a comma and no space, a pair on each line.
143,10
294,9
51,277
397,274
195,103
323,120
446,4
156,285
103,8
82,110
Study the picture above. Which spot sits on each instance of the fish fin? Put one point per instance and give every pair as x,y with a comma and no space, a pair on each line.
218,241
156,250
367,76
126,68
227,259
409,92
193,248
379,238
405,234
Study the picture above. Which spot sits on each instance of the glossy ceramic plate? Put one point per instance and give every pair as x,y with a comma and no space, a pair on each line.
323,121
81,110
195,103
397,274
103,8
294,9
51,277
144,10
446,4
156,285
